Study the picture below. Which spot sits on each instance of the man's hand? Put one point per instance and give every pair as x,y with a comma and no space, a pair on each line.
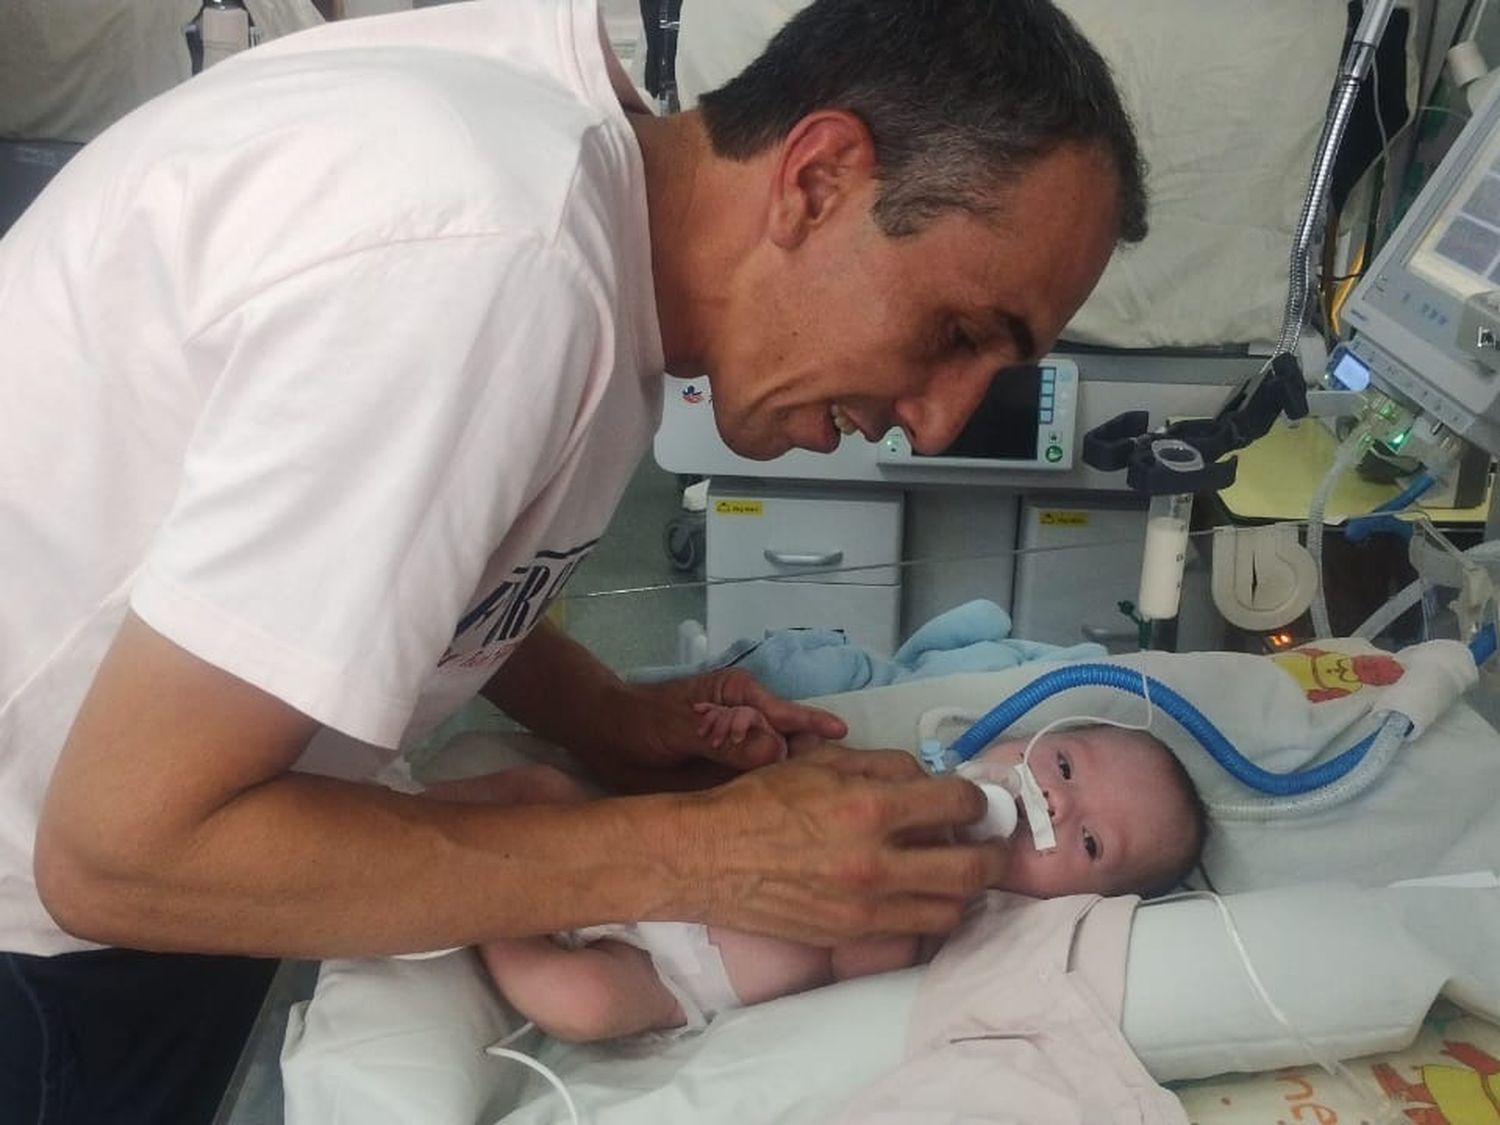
638,738
669,723
835,844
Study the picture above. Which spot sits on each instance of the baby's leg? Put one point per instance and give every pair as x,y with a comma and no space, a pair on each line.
762,968
601,991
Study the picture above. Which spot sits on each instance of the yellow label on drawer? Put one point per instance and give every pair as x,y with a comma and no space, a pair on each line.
1055,518
740,507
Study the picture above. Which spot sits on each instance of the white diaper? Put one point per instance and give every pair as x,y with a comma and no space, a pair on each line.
687,962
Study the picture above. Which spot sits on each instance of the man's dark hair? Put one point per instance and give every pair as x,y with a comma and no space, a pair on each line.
960,96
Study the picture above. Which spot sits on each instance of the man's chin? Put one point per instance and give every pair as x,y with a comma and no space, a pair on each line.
756,447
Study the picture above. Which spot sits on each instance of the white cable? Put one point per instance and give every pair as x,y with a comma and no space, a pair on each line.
1383,1108
1384,617
1478,16
507,1040
500,1051
428,954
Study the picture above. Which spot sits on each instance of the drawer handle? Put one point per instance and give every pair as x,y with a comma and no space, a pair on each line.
792,558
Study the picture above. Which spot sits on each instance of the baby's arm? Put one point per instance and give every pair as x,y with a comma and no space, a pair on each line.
719,723
878,955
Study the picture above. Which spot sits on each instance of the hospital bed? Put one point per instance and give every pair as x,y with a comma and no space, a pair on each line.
1342,965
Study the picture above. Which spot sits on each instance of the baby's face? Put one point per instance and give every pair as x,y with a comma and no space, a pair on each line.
1117,812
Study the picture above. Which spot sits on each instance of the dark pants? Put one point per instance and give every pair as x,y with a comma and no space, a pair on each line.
117,1037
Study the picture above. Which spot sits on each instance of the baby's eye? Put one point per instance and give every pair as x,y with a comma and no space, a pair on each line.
1090,845
1064,768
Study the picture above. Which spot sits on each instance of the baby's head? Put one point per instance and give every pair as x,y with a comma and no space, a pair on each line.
1127,816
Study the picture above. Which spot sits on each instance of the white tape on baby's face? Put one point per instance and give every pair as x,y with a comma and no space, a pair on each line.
1034,805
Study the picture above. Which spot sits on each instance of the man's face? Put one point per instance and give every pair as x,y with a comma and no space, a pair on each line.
906,331
1118,814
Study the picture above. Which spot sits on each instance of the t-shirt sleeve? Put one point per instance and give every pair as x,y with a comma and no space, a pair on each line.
370,428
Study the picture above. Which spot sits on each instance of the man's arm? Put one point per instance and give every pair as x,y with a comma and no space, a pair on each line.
638,737
171,823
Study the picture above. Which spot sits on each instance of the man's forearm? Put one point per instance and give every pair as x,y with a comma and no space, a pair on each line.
311,867
561,692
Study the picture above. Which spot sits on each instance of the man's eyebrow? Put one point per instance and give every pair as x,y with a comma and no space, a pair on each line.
1020,332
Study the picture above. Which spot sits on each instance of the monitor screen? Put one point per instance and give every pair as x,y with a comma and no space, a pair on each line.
1460,251
1004,428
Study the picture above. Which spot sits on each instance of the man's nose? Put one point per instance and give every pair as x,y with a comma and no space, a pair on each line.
934,419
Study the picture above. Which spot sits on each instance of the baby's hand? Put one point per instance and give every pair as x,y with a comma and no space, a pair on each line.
734,723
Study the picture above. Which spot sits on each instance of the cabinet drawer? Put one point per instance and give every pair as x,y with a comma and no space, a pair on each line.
868,615
808,535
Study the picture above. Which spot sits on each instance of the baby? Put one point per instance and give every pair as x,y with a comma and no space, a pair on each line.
1124,812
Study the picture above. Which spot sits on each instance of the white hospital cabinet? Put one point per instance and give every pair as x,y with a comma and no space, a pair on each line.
784,557
875,540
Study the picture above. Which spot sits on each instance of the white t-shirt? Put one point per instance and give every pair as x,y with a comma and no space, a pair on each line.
332,364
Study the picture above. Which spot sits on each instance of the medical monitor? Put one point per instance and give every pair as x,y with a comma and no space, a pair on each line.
1426,315
1026,420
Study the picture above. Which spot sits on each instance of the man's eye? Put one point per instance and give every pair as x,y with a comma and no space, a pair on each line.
1090,844
1064,768
963,342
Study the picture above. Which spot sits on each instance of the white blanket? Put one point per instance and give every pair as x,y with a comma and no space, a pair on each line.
375,1036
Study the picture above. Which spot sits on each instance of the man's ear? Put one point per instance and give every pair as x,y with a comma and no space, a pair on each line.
821,166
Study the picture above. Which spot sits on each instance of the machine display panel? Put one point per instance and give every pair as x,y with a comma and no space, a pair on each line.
1024,421
1460,252
1005,425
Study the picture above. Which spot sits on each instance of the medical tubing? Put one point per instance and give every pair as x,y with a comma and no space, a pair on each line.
1382,619
1408,495
1410,594
1347,453
1388,739
1482,645
1383,745
1001,717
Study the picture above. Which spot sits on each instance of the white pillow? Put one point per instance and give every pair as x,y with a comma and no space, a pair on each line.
1336,960
389,1041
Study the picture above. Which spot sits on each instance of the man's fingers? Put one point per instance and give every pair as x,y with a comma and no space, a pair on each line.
877,765
950,870
783,714
934,803
792,718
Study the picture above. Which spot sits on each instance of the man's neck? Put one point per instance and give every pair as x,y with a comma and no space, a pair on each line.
698,232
